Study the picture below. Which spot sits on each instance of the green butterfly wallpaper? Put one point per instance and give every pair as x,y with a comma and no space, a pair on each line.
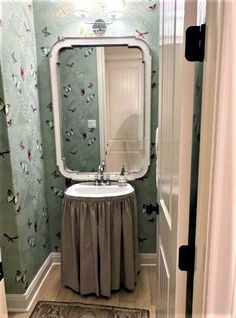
141,20
24,235
79,93
32,188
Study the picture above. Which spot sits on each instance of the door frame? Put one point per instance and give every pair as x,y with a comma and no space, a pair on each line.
215,264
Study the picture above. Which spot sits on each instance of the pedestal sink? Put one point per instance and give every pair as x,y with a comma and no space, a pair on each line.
90,190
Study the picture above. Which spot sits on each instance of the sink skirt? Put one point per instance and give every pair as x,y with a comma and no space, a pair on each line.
99,244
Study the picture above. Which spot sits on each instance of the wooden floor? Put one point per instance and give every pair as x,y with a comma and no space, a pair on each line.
144,295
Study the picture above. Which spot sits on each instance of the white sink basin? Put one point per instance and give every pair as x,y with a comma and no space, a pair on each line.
93,191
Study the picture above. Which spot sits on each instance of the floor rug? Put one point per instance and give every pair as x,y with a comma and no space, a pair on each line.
54,309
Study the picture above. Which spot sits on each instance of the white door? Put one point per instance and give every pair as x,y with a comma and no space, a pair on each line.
176,95
3,305
124,143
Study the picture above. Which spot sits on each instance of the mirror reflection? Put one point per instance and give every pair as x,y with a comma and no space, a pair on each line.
102,98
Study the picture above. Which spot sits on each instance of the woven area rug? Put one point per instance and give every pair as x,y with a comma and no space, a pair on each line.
53,309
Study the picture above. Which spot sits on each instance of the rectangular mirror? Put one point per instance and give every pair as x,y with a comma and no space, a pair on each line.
101,105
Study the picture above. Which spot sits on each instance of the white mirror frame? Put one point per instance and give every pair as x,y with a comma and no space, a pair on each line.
56,101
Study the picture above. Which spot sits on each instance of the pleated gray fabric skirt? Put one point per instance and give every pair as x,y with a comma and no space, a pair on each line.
99,244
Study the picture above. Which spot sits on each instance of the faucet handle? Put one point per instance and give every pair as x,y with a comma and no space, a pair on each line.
103,164
108,180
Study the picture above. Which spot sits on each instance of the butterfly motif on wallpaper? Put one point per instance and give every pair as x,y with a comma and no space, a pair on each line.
90,85
18,210
9,123
153,7
58,192
33,73
63,11
27,28
82,91
24,168
14,60
4,107
142,240
49,107
91,141
69,133
28,125
33,108
90,98
55,174
83,135
39,180
141,34
16,82
45,214
67,90
31,242
46,32
22,147
11,197
74,152
22,73
29,154
35,227
11,238
45,245
3,153
70,64
39,146
72,110
154,85
29,223
153,156
20,277
45,50
50,123
80,75
88,52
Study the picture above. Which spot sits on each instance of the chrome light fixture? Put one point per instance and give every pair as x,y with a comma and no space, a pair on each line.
107,10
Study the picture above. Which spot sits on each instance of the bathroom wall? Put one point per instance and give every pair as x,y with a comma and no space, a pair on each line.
24,231
54,20
79,93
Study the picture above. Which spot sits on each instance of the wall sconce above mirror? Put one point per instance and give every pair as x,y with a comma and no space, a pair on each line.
101,90
99,16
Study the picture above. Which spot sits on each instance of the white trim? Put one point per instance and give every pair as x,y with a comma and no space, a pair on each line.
23,302
166,212
214,283
148,259
56,100
101,100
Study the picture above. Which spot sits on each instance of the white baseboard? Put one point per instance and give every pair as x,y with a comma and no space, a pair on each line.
23,302
148,259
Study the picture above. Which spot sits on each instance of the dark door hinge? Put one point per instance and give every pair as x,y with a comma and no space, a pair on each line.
195,43
186,258
1,271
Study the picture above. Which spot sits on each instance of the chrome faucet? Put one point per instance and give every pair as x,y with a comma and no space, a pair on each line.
101,179
101,169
